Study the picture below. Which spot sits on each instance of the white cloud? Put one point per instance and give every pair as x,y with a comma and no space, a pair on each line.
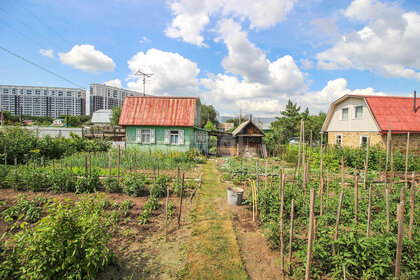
191,17
172,73
306,63
49,52
326,25
86,58
320,100
144,39
388,44
114,83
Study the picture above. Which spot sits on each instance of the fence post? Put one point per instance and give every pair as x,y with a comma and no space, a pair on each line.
366,163
166,212
406,159
310,235
321,179
281,228
399,240
412,203
337,223
356,197
388,140
369,210
292,216
387,209
180,202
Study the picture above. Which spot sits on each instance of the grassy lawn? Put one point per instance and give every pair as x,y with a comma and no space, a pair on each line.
213,251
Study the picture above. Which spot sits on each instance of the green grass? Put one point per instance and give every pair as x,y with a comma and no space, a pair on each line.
213,252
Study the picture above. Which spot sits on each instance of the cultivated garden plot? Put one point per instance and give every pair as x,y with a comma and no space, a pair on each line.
355,226
100,213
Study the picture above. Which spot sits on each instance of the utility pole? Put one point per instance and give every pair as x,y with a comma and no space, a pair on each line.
144,79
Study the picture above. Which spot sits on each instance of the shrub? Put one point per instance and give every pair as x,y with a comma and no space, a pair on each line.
111,185
88,183
69,243
62,181
158,189
134,185
35,179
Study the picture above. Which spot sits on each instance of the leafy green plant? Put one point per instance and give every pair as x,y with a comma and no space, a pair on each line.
69,243
158,189
111,185
134,185
62,181
28,209
88,183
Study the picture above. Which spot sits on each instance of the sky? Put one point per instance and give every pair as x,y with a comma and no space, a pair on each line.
247,55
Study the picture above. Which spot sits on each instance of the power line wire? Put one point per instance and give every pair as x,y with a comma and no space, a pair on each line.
30,28
12,53
23,34
38,19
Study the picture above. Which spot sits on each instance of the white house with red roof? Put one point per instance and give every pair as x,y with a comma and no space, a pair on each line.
353,119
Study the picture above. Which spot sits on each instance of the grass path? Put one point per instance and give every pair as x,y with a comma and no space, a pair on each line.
213,252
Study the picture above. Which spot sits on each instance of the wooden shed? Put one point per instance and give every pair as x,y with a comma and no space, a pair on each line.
245,141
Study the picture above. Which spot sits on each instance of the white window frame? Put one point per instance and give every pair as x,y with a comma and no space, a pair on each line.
144,134
342,115
341,139
168,137
139,135
355,112
175,134
361,137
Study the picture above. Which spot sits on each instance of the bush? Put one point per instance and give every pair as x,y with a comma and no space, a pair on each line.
134,185
111,185
35,179
88,183
158,189
69,243
62,181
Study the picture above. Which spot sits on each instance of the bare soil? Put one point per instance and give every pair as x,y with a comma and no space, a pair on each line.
140,250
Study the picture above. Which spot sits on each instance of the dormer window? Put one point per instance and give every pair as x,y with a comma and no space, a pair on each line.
358,112
345,114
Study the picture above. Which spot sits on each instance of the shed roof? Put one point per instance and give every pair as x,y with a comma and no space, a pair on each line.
389,111
159,111
102,116
241,127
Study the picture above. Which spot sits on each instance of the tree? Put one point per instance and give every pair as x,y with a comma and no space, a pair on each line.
208,113
115,117
209,126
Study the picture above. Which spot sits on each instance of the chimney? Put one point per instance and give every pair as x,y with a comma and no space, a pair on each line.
250,117
415,107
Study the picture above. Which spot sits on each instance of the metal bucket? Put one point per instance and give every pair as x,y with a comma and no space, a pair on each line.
234,195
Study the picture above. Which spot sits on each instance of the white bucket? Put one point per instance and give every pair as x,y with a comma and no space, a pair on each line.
234,195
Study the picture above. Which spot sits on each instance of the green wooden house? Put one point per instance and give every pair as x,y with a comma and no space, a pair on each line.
164,123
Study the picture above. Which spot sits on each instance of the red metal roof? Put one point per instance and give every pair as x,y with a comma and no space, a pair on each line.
396,112
158,111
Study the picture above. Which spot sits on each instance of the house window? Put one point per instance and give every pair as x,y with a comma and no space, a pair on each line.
145,136
358,112
345,114
174,136
338,139
363,140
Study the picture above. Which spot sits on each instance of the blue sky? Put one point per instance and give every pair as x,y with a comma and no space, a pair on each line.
250,55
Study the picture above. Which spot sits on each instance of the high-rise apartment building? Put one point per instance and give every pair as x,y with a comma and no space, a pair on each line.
42,101
106,97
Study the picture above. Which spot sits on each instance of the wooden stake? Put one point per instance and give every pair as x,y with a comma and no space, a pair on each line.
406,158
118,163
300,148
15,161
399,240
258,176
310,235
388,139
337,223
343,183
135,161
180,201
292,216
5,155
71,165
380,167
253,201
328,174
369,210
356,196
166,217
308,173
366,163
392,166
265,181
61,164
281,229
412,203
86,165
110,164
387,209
321,179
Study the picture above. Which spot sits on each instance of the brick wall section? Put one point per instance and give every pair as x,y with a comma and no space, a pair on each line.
351,139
